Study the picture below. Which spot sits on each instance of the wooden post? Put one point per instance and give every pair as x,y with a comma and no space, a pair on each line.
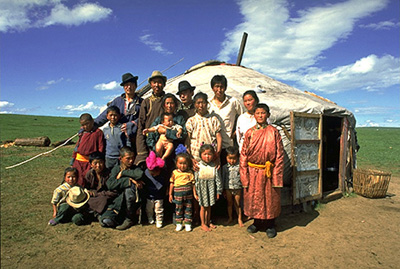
241,50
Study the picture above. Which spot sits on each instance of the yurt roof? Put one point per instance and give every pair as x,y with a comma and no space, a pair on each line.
280,97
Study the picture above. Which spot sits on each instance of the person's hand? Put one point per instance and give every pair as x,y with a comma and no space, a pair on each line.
195,165
170,198
145,131
218,196
196,197
139,184
179,134
123,127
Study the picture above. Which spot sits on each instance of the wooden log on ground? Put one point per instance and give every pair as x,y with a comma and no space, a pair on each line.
42,141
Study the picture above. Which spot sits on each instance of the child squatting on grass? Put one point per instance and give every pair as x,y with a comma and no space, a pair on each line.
126,180
208,185
182,190
70,201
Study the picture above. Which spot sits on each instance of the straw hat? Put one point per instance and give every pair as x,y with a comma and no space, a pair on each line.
77,197
157,74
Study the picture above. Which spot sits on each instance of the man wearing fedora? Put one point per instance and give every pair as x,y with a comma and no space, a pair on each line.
129,105
185,93
150,109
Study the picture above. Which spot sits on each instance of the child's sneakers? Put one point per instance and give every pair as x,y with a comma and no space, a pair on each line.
179,227
158,224
52,222
151,221
188,227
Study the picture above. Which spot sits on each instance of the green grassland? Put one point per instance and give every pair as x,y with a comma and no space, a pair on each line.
380,149
27,189
26,126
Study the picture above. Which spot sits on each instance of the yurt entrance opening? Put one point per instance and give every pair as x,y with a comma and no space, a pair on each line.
332,130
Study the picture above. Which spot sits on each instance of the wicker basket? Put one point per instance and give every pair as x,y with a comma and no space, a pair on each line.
371,183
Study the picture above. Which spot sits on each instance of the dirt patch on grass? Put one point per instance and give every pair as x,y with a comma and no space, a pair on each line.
348,232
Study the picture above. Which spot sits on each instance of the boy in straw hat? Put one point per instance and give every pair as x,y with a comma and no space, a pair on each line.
74,208
150,109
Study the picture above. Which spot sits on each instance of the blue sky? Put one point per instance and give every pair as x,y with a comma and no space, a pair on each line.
64,58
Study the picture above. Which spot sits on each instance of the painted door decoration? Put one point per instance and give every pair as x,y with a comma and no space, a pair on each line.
306,156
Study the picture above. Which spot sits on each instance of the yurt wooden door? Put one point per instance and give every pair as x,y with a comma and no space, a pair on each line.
306,156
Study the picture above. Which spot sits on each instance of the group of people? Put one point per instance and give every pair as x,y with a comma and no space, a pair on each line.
138,155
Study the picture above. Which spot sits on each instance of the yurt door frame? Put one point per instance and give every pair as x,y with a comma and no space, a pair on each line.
306,156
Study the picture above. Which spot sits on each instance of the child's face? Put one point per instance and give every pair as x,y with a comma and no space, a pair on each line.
261,115
219,90
71,178
113,117
186,96
168,121
182,164
207,156
232,159
127,159
98,165
201,106
87,125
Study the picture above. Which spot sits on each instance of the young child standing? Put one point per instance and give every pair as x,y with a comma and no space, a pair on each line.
114,137
231,184
164,145
155,185
126,180
90,140
69,180
208,185
181,191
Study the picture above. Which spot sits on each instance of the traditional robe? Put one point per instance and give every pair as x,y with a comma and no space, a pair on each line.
150,109
88,143
262,198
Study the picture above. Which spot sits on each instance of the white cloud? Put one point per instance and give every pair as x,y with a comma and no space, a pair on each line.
88,107
288,47
154,45
79,14
6,107
47,84
376,110
5,104
370,73
24,14
383,25
113,85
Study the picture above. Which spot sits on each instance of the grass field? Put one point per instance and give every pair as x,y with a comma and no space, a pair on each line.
26,190
380,147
